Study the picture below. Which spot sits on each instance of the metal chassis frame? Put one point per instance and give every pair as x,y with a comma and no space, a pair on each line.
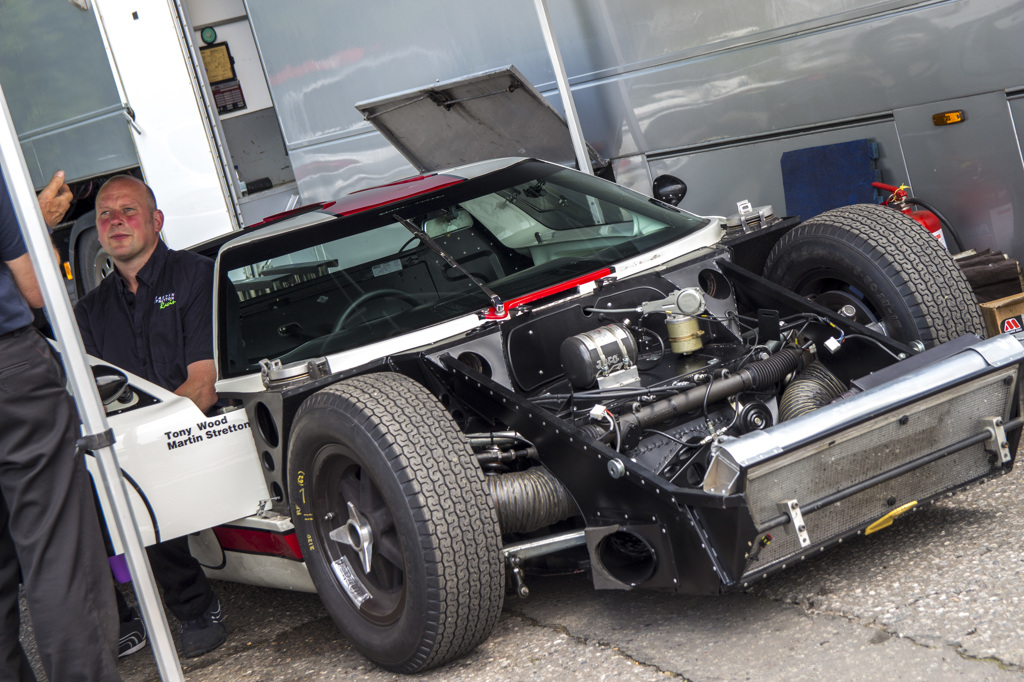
700,540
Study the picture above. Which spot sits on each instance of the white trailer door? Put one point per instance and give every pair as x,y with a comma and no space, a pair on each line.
177,143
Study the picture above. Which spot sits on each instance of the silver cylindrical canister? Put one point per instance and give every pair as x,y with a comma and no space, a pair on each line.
597,353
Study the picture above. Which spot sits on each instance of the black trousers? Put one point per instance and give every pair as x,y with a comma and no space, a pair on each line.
186,590
48,525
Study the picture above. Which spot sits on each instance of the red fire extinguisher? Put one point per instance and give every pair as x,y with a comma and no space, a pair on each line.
928,216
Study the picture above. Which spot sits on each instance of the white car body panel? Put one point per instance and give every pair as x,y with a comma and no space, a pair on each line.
252,569
195,471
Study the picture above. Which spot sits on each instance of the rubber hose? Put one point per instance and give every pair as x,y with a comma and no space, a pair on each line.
757,375
767,372
814,387
946,225
529,500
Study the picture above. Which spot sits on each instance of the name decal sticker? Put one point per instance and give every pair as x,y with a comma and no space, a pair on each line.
202,431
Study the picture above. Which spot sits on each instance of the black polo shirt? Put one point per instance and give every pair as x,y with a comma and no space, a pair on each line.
14,312
163,327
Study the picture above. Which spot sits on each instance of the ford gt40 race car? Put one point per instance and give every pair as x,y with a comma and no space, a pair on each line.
432,388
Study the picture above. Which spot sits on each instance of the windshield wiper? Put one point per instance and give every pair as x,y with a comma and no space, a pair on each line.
496,302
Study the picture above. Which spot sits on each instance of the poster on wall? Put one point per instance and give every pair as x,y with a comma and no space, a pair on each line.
220,70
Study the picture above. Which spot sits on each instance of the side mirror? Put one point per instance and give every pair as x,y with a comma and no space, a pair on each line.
110,382
669,189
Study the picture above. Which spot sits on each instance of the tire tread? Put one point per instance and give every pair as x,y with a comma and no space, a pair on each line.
929,281
459,534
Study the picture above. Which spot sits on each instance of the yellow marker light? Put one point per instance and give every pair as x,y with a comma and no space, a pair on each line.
67,270
887,520
948,118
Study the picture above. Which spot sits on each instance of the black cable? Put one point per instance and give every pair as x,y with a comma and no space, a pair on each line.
711,380
665,435
613,428
874,341
746,358
682,442
946,225
683,445
142,495
750,322
145,501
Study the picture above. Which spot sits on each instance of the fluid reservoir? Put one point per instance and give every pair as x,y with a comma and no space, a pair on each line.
684,334
588,356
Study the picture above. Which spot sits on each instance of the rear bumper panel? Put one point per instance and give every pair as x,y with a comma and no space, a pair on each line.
852,463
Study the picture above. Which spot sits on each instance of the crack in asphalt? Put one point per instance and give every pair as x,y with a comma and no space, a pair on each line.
616,651
955,646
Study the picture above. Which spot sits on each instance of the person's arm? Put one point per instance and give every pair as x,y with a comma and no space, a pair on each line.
197,332
199,385
54,201
25,280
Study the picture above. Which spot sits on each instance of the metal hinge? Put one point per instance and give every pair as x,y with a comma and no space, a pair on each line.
791,508
997,443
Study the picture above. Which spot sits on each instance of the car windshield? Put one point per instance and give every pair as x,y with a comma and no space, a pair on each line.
346,283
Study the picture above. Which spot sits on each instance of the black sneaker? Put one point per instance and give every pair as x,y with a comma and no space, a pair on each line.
133,637
203,634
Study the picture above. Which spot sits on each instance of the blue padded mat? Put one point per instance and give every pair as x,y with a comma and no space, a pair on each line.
816,179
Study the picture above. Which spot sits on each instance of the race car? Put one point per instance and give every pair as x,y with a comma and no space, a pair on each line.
432,388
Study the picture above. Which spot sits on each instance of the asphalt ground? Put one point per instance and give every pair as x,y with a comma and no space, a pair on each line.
935,597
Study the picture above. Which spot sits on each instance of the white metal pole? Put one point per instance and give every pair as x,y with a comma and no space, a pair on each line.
571,117
95,430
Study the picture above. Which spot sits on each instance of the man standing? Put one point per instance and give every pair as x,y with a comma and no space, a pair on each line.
152,317
48,523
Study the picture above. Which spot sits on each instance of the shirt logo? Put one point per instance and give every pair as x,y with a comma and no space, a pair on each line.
165,301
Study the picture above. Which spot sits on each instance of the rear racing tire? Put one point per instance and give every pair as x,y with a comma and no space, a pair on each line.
883,265
378,471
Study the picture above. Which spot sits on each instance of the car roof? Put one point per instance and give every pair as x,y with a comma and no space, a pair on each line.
356,202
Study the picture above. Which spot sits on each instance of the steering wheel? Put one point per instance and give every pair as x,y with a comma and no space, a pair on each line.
369,296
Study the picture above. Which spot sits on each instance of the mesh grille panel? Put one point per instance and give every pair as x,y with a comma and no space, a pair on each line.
870,449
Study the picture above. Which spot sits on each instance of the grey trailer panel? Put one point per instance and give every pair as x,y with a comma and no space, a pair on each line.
381,48
85,149
656,79
61,121
340,165
828,75
980,187
715,185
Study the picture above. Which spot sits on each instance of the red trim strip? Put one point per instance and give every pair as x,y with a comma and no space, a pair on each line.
492,314
375,197
308,208
254,541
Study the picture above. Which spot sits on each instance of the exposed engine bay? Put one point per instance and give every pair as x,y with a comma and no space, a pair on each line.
659,368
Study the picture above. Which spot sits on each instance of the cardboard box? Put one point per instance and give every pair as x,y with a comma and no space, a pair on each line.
1004,315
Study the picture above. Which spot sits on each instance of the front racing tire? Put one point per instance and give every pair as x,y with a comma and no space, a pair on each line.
395,523
881,267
